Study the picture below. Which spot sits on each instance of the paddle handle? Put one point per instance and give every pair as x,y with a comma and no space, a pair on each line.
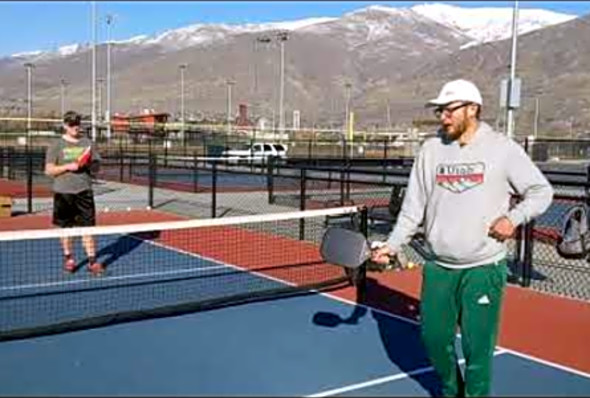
397,262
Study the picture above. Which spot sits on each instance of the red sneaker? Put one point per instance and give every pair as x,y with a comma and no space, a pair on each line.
96,269
69,264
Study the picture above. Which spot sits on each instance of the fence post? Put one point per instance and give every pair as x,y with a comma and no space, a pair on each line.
29,178
132,161
2,157
527,268
270,180
195,171
302,180
214,189
151,175
121,161
12,159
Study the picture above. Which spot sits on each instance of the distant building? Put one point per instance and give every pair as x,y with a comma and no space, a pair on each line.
263,123
147,122
242,120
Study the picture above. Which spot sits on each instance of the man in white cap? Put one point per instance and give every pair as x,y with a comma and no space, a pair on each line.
459,191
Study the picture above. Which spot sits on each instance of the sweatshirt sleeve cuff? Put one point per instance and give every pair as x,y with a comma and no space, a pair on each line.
393,244
516,217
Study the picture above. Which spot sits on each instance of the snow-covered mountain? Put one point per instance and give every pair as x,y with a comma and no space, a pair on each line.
488,24
478,25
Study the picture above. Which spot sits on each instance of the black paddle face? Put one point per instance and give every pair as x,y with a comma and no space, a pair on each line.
351,249
344,247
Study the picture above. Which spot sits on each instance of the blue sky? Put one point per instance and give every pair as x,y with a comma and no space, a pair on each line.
45,25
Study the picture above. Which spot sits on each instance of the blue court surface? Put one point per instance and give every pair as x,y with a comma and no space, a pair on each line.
307,345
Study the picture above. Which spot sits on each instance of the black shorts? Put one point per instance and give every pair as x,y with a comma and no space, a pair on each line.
74,209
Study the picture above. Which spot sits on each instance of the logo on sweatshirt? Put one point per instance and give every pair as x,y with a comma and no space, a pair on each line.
460,177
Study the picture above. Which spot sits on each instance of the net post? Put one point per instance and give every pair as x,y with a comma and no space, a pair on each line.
303,193
270,180
342,179
361,282
518,258
213,189
384,160
348,166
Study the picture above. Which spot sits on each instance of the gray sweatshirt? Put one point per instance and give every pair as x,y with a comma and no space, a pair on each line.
456,192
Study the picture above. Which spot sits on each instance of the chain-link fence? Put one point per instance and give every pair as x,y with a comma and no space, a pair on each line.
192,184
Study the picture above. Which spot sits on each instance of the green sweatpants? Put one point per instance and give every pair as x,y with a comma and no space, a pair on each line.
470,298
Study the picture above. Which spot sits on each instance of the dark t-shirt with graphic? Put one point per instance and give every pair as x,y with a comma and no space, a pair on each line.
62,152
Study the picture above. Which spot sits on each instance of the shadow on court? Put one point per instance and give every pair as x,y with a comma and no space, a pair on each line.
121,247
401,340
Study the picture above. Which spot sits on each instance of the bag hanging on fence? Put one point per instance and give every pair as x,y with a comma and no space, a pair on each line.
574,238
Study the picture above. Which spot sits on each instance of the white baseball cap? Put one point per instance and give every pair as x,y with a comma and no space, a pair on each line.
457,90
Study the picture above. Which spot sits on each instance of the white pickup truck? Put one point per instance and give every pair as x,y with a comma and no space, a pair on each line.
257,153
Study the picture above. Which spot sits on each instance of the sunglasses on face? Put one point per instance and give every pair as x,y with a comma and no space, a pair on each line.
449,111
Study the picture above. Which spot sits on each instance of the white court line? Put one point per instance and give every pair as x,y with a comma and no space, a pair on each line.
500,348
108,278
548,363
382,380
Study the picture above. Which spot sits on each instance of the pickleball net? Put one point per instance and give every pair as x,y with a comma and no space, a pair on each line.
162,269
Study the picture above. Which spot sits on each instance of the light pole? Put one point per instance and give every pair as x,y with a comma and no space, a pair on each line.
109,21
510,91
93,28
230,84
282,37
348,86
347,126
29,66
63,84
182,68
264,40
99,84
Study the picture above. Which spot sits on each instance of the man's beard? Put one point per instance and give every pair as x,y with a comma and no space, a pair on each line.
458,130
